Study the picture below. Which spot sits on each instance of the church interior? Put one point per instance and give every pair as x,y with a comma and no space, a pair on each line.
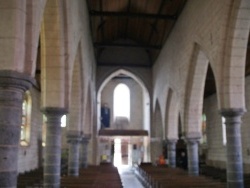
159,86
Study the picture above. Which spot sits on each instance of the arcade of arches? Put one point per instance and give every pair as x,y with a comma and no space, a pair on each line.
195,90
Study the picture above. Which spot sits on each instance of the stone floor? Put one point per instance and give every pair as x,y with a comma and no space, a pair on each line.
128,177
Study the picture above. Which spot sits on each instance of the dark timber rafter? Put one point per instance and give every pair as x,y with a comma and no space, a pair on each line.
127,20
154,24
102,20
140,64
131,15
101,45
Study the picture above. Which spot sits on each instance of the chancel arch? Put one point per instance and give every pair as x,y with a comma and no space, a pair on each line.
145,100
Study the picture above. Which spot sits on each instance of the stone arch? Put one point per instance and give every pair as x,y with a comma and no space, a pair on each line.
194,93
52,56
94,122
180,125
34,16
157,122
76,95
87,126
171,116
14,44
88,129
156,133
146,104
135,74
233,66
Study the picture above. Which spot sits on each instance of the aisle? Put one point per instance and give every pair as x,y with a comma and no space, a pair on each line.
128,177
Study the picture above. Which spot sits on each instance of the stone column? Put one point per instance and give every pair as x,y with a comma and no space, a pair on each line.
193,156
52,159
171,146
234,148
84,154
12,87
74,138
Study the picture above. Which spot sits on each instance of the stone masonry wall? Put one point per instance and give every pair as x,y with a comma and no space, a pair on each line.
197,25
136,101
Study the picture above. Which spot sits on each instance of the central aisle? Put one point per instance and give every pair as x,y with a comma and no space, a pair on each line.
128,177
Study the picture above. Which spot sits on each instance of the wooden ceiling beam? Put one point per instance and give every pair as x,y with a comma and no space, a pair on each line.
124,64
102,45
102,20
132,15
127,20
154,24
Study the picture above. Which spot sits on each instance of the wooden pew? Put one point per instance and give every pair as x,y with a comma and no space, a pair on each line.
221,174
94,176
29,179
162,176
213,172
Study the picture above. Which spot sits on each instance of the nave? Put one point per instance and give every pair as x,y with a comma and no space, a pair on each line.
128,177
144,175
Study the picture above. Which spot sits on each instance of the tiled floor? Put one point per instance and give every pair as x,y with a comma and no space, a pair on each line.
128,178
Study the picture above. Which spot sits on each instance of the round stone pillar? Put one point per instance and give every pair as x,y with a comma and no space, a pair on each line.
12,88
193,156
74,138
52,159
234,148
171,145
84,154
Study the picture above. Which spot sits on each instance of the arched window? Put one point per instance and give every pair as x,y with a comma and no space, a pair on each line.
122,101
26,120
63,121
204,129
224,135
44,131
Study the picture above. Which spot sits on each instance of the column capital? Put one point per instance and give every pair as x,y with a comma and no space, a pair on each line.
171,140
192,140
74,136
54,111
232,112
14,79
192,137
85,138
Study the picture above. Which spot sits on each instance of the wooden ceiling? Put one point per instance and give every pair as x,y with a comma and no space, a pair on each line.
147,23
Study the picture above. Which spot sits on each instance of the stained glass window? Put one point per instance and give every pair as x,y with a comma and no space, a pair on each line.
25,125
